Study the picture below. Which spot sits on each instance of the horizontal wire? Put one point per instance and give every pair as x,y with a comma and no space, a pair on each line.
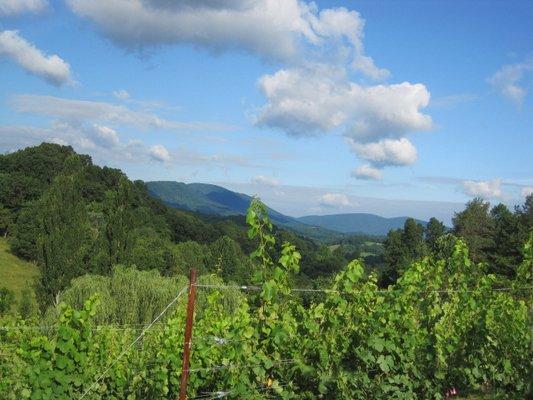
312,290
223,393
229,366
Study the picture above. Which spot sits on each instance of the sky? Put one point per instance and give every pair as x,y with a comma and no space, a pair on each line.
392,107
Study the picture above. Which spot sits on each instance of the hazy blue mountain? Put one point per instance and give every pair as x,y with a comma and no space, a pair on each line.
356,223
216,200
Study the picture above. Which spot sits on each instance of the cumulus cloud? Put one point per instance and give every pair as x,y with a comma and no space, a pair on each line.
366,172
386,152
316,100
485,189
13,7
264,181
322,51
52,69
101,112
506,80
526,191
283,30
335,200
160,153
105,135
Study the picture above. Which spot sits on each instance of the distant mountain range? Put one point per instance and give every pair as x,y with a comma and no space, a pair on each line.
216,200
369,224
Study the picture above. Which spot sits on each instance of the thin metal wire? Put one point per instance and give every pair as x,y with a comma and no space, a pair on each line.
133,343
96,328
311,290
229,366
223,393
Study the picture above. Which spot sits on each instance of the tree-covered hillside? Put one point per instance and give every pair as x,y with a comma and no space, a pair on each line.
361,223
72,217
216,200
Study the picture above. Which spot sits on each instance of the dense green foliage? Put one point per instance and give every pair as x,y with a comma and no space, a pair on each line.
445,322
495,236
407,318
73,218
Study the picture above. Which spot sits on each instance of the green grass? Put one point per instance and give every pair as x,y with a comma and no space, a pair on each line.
15,274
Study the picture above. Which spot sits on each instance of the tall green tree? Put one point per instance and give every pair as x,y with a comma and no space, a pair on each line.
24,232
119,225
475,225
525,213
64,234
395,256
413,240
509,237
402,247
434,230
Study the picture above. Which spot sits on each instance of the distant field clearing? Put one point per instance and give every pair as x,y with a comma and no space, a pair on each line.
15,274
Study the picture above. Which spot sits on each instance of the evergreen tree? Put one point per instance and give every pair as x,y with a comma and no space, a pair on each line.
24,232
119,225
64,233
525,213
474,224
434,230
509,237
413,240
395,256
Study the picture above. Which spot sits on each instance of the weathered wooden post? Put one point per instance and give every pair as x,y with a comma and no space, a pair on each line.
188,335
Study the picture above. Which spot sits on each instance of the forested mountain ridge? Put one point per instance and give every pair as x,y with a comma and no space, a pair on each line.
364,223
216,200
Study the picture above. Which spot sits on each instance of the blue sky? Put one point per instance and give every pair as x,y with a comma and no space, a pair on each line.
397,108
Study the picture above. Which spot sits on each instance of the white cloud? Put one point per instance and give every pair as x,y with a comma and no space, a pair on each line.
322,51
335,200
387,152
485,189
160,153
13,7
284,30
105,145
506,80
316,100
264,180
121,94
105,135
83,110
52,68
526,191
367,172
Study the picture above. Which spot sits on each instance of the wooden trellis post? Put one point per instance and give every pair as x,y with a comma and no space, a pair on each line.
188,335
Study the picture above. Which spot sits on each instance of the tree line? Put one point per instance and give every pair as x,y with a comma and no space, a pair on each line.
494,235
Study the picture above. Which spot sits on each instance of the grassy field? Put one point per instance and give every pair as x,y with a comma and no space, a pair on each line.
15,274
